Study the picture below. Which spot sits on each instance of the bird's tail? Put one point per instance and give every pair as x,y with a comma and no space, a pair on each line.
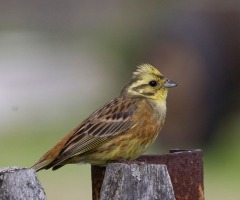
42,164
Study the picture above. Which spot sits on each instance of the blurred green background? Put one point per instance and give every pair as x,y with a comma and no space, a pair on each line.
61,60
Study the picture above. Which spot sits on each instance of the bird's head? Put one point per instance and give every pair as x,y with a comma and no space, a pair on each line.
148,82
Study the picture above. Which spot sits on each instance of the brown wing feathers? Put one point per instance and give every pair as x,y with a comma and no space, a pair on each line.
112,119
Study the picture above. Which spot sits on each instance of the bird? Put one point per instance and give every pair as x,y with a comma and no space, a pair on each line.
122,129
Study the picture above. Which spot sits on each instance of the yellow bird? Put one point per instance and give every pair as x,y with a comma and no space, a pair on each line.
122,129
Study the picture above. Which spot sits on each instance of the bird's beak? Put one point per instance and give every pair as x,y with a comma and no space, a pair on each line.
169,84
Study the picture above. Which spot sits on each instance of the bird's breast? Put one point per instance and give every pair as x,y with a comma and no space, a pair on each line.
135,141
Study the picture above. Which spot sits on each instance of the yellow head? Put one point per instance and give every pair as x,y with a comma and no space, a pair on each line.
148,82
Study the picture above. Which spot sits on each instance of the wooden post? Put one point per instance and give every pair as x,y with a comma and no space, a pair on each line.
185,168
19,184
138,181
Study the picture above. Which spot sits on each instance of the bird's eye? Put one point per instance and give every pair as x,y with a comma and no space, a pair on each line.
153,83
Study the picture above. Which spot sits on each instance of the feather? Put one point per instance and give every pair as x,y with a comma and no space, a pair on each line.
109,121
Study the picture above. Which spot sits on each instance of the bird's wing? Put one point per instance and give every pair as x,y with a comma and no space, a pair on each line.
112,119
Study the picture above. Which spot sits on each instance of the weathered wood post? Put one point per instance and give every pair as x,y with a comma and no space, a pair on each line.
185,168
20,183
137,181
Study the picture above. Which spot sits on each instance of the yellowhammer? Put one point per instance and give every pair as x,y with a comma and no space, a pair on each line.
122,129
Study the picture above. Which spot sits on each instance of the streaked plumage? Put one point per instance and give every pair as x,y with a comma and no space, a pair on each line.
122,129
